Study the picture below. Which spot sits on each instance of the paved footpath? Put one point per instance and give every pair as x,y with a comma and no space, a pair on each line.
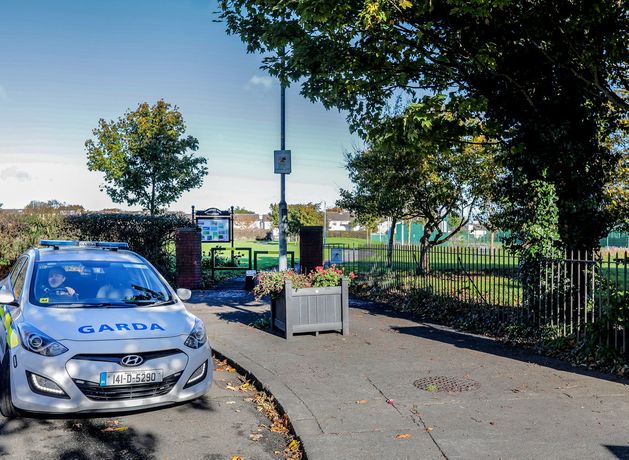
354,397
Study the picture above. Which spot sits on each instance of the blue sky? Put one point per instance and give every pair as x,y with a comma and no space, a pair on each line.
65,64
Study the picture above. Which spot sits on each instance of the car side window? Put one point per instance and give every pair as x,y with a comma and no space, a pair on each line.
16,269
18,283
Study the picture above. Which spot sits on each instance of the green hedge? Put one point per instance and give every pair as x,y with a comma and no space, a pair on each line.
150,236
18,232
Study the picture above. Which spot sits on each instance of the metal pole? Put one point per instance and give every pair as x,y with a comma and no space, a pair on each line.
283,211
325,221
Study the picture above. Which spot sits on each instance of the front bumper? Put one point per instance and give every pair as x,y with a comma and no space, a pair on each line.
77,373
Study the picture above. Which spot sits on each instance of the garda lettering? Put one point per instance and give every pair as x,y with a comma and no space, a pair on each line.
89,329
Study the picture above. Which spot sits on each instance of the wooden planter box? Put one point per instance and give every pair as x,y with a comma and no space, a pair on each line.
311,310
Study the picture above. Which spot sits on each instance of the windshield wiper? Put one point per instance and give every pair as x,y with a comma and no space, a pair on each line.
93,305
149,302
155,294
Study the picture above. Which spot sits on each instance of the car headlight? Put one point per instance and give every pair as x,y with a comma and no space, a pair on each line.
36,341
197,337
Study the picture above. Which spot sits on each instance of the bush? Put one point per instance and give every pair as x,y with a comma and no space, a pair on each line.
19,232
362,234
325,277
271,283
150,236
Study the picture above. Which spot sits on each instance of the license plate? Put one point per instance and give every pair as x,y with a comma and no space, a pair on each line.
108,379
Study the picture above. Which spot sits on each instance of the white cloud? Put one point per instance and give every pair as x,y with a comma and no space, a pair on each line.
3,93
265,81
14,173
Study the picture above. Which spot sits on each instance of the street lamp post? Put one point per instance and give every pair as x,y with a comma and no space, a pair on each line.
325,221
283,211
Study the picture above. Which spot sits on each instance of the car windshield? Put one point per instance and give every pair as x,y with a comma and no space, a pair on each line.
96,284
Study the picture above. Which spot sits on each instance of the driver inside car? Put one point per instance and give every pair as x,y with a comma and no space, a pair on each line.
57,283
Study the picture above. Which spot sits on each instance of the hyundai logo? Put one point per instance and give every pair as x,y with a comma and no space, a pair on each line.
131,360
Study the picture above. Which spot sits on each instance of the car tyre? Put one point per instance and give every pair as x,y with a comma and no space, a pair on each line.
6,404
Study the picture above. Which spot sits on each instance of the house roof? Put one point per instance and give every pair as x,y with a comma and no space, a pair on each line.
342,216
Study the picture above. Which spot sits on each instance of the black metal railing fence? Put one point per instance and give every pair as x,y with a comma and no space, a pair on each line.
574,294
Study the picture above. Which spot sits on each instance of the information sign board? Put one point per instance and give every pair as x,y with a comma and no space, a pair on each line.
214,229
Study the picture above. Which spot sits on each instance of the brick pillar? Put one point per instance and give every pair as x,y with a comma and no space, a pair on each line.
188,250
310,248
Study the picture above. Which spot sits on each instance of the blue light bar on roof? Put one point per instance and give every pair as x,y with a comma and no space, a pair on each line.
58,243
85,244
104,244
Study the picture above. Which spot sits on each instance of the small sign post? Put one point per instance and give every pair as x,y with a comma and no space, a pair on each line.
282,163
336,256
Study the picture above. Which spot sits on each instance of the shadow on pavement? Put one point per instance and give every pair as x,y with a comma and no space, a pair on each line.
433,331
91,439
92,435
491,346
202,404
17,426
241,301
224,298
620,452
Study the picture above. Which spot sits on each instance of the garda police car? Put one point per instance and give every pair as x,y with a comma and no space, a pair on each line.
89,327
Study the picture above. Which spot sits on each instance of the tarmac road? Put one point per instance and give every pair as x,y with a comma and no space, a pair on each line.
217,426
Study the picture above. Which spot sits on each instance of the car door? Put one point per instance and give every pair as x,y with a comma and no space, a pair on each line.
16,281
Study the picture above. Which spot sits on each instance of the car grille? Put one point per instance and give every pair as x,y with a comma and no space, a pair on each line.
115,358
115,393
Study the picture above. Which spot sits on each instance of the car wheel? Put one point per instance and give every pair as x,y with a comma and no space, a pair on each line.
6,405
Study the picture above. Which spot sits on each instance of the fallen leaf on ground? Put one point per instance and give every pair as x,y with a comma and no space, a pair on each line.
429,429
361,401
292,448
231,387
245,387
255,436
111,428
236,457
223,366
403,436
279,426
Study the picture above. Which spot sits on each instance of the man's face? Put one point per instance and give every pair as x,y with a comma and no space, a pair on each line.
55,278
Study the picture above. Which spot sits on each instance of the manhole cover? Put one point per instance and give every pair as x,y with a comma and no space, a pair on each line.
446,384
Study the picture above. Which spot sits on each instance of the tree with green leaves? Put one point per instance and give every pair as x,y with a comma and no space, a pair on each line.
617,189
299,215
241,210
543,75
52,207
422,164
145,157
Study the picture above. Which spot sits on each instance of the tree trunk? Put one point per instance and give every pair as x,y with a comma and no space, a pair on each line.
390,245
424,246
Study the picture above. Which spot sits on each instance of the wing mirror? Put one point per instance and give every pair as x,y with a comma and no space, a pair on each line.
7,297
184,294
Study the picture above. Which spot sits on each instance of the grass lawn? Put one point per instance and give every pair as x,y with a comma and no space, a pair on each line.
265,261
494,274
